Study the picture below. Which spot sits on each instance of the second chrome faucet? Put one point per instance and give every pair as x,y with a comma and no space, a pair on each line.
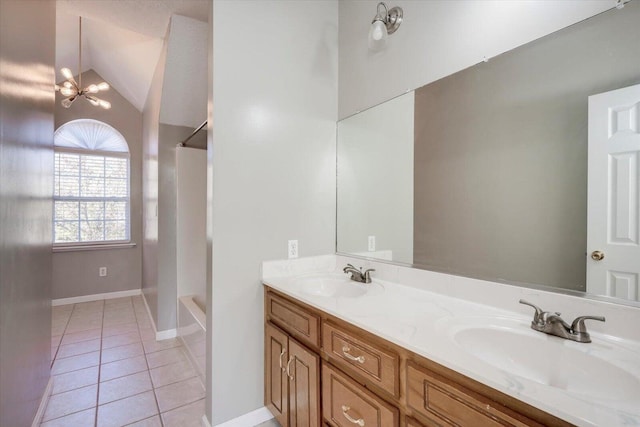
552,324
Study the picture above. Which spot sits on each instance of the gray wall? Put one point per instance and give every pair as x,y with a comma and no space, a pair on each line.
159,181
150,131
27,49
501,155
274,104
76,273
437,38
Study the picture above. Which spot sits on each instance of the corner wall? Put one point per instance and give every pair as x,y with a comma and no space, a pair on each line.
76,273
27,55
273,173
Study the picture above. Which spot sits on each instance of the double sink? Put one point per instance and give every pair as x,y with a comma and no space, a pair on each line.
605,370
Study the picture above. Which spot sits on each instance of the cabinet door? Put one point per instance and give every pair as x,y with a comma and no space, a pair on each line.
304,387
276,394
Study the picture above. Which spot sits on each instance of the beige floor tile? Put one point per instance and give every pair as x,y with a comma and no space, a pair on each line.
58,329
153,345
119,320
75,363
75,379
147,334
89,306
271,423
63,404
179,394
117,301
70,338
127,411
173,373
122,368
83,325
124,387
122,352
185,416
77,348
119,340
166,357
109,331
84,418
149,422
54,350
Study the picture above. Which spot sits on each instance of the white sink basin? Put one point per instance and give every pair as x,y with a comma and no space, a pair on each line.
580,369
335,286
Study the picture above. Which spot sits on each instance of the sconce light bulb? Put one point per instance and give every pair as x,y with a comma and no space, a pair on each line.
377,35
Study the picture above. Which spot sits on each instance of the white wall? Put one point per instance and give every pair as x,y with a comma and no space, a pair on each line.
375,180
273,164
191,232
438,38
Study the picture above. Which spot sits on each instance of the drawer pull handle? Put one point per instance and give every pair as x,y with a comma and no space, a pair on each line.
282,354
346,409
346,350
289,374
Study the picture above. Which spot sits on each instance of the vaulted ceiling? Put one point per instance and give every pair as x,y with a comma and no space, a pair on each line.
122,39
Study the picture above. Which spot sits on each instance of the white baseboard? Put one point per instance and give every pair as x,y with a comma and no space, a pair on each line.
43,403
251,419
165,335
205,421
162,335
96,297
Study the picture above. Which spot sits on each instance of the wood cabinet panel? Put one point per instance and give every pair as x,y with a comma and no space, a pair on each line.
276,396
304,387
439,399
298,322
347,404
374,363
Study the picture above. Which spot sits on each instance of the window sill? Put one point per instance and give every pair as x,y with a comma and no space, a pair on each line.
96,247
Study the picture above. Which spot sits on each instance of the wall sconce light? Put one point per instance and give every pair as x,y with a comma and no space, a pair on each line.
386,22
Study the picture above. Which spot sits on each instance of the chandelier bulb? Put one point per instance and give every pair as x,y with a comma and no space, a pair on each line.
66,103
104,104
66,73
103,86
92,89
67,91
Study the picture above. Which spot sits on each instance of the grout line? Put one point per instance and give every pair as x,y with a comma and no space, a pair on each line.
146,361
95,419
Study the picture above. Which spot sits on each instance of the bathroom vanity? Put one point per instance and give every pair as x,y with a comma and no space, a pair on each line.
341,353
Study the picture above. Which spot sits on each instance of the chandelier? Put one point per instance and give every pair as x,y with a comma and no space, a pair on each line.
72,89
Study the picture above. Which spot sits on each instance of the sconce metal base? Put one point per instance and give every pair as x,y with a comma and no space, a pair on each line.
394,19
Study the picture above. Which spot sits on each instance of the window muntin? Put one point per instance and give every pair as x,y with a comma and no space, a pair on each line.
91,190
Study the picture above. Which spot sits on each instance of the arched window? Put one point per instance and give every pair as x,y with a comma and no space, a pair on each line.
91,179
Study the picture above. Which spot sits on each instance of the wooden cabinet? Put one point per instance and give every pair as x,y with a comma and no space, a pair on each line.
446,403
345,403
292,380
368,381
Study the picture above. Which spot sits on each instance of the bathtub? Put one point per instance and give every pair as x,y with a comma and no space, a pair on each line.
192,323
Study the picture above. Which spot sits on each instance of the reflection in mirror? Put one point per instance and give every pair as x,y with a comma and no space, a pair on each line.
515,170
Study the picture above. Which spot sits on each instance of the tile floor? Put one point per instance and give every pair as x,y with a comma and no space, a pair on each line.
108,370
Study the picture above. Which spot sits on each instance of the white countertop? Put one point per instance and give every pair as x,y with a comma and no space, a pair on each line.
424,322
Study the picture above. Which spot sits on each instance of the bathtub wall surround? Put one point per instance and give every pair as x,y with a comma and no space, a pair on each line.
192,324
423,312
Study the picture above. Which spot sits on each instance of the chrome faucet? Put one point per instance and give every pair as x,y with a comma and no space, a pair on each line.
357,274
552,324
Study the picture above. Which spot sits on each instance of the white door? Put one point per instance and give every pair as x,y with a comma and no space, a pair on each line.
613,211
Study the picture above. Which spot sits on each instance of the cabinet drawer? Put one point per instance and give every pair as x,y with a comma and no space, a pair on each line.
373,363
347,404
299,322
444,402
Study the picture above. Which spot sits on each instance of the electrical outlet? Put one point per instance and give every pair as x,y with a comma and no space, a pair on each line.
102,271
372,243
292,249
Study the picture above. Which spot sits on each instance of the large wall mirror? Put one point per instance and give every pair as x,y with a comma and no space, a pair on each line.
523,170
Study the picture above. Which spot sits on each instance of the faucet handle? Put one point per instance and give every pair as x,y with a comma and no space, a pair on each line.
578,325
348,266
537,317
367,275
